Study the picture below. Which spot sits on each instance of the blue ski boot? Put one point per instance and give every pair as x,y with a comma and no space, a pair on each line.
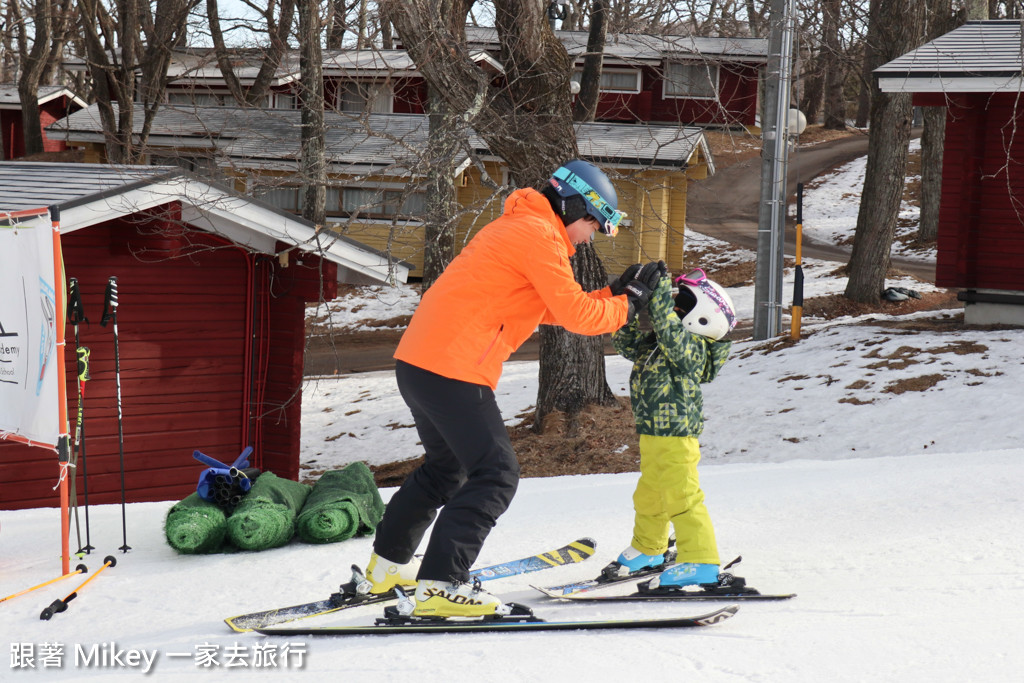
631,561
685,574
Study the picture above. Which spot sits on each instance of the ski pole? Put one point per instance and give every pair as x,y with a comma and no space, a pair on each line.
80,569
60,605
83,376
110,313
76,316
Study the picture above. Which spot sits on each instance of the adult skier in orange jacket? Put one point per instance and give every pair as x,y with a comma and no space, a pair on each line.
512,276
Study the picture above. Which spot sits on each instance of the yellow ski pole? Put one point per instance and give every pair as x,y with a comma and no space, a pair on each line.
61,605
80,569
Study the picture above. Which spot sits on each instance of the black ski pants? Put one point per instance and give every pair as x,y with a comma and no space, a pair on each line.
470,472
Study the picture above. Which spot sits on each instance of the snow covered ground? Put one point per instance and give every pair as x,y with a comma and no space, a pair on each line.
874,471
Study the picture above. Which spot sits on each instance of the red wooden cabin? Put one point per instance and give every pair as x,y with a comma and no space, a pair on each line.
975,73
55,102
213,288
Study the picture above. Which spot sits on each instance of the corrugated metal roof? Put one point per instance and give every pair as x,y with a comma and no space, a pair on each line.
93,193
978,48
9,96
644,48
37,185
381,143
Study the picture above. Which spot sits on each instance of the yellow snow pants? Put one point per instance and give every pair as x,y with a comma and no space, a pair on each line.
669,493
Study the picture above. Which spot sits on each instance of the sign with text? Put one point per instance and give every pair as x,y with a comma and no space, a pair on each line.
29,392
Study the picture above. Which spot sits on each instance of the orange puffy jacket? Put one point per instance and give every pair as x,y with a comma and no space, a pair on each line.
512,276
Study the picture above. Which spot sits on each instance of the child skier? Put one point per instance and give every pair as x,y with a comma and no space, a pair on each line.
669,365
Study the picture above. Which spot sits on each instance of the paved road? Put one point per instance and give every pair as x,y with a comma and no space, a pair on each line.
725,205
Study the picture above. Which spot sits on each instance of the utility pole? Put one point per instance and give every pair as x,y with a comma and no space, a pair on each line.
771,224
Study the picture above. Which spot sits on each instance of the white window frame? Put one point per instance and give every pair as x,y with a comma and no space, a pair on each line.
668,83
577,75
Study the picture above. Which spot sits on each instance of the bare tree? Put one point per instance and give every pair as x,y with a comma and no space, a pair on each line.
896,28
311,74
590,79
834,74
527,121
277,18
33,62
126,44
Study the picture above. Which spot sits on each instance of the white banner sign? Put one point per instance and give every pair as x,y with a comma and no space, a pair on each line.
29,408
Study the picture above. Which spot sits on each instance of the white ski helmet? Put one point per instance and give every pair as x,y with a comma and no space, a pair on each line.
706,308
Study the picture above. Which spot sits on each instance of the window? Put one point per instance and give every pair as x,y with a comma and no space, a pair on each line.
285,100
366,202
370,202
362,97
613,80
282,197
693,79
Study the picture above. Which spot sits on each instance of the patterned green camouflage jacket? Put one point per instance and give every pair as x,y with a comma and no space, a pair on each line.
669,366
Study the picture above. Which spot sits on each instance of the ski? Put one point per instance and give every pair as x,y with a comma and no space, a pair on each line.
728,588
640,596
579,587
391,626
350,595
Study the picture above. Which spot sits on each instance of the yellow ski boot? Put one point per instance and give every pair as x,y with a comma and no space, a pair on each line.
448,599
384,575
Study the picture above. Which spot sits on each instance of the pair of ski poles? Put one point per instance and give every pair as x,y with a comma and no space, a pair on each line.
76,317
61,605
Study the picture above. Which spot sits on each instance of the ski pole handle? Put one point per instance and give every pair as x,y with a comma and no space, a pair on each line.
110,302
75,312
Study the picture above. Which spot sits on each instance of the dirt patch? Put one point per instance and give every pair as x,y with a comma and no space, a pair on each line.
837,306
922,383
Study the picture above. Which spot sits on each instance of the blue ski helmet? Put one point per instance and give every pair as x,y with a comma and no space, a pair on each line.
581,178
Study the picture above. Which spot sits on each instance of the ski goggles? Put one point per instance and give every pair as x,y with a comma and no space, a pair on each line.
612,217
694,277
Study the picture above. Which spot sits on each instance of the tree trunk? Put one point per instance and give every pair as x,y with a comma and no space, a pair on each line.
835,104
867,80
941,20
590,79
33,63
572,374
897,28
442,207
932,147
314,158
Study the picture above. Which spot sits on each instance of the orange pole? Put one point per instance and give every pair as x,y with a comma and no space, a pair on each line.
63,440
80,569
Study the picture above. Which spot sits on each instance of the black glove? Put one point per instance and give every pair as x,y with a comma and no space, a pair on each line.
638,295
619,286
652,273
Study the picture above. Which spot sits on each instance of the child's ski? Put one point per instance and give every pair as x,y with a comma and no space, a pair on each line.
388,626
587,596
728,587
349,594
